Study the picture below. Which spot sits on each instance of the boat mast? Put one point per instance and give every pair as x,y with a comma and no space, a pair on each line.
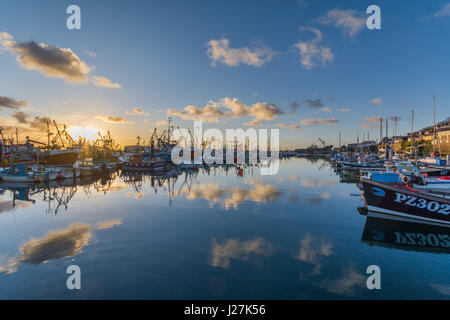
381,130
48,134
339,140
387,131
434,120
412,126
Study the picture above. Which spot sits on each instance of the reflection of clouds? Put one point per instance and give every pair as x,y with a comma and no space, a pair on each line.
261,193
441,288
313,251
108,224
316,183
54,245
236,249
346,284
211,192
232,197
288,178
293,198
8,205
253,181
318,199
136,195
118,186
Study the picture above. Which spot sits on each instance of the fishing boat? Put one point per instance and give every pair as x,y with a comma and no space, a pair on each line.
431,205
87,167
20,173
60,157
404,172
135,163
69,173
433,161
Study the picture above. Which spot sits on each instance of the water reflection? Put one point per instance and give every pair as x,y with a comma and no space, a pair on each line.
55,244
404,235
57,193
318,183
347,284
235,249
167,236
313,252
319,198
232,197
443,289
186,184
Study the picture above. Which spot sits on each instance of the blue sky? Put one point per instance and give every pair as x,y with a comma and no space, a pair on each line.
157,52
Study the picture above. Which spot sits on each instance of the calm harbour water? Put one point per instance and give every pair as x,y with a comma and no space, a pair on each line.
206,235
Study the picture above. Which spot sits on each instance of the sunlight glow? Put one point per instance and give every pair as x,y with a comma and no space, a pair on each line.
89,133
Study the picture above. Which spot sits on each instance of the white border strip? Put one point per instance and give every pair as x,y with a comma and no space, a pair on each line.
400,214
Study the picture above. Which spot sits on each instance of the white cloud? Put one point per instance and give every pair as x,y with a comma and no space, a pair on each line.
288,126
377,101
161,123
112,119
11,103
90,53
310,122
311,52
253,123
137,111
371,122
349,21
444,12
53,61
104,82
233,109
220,51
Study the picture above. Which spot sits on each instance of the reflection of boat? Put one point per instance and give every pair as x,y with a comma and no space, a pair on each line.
401,200
405,235
57,192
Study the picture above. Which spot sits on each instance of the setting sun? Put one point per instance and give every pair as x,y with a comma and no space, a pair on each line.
88,133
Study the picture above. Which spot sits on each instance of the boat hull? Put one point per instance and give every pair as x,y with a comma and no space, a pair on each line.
406,202
61,157
17,178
